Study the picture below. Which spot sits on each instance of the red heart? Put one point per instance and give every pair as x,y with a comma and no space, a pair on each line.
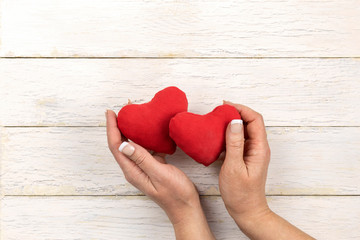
202,137
148,124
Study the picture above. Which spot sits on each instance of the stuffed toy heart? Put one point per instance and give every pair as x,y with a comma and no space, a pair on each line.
148,124
202,137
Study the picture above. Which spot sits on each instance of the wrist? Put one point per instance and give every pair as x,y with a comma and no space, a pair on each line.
247,207
250,221
191,223
179,212
191,214
266,224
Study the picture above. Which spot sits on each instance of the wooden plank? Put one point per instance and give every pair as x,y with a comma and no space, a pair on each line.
112,28
1,12
76,161
139,218
76,92
1,159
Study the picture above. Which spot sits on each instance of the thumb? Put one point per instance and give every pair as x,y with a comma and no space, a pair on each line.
142,158
235,143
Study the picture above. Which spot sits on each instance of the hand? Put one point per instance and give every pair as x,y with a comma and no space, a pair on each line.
243,174
242,179
165,184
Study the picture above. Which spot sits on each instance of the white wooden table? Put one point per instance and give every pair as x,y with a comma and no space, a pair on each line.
64,62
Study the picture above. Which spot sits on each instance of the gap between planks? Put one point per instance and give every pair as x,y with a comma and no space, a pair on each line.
328,57
103,126
216,195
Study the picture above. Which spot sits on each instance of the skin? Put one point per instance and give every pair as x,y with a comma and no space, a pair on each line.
242,181
165,184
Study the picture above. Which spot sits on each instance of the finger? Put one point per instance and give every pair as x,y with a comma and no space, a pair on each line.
159,156
255,126
112,131
132,172
235,143
152,152
142,158
221,156
134,175
114,136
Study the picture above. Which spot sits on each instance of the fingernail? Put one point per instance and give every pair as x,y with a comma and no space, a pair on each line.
236,125
126,149
106,113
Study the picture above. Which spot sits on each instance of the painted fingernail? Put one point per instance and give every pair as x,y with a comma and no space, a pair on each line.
236,125
126,149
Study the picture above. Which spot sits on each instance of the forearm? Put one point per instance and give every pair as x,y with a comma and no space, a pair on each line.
269,226
193,225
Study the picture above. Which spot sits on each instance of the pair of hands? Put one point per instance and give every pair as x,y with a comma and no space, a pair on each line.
241,181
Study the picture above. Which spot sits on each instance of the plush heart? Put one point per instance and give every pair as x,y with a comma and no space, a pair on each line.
148,124
202,137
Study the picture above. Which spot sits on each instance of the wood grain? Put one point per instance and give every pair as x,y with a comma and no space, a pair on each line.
1,172
63,218
76,161
112,28
296,62
76,92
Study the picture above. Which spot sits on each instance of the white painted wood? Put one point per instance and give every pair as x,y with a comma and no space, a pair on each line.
139,218
76,92
1,13
1,172
76,161
141,28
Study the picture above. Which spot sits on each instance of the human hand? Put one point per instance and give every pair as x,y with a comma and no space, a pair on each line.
165,184
243,174
242,179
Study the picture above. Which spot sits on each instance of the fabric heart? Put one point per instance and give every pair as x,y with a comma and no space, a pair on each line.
148,124
202,137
